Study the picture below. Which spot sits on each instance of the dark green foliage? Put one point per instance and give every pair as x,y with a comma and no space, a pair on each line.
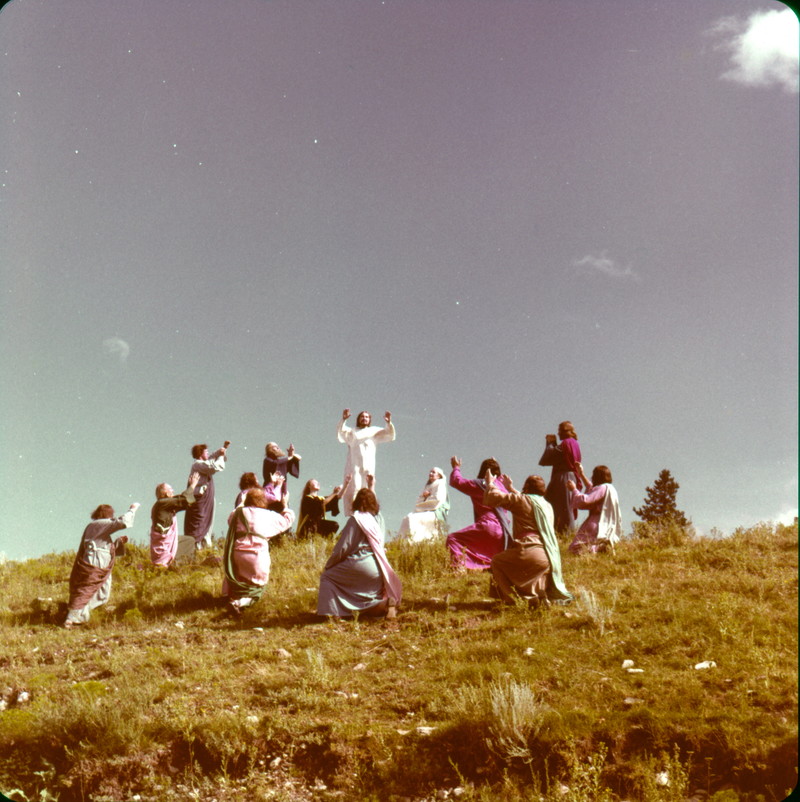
659,504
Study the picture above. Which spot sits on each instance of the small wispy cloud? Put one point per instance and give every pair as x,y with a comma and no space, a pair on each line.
763,48
115,346
605,266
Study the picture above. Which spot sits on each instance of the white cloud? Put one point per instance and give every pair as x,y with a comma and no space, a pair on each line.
763,48
114,346
787,516
605,266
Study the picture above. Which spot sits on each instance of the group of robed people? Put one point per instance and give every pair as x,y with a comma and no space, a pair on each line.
513,535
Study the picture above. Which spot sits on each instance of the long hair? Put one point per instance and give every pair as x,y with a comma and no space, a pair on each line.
490,464
256,498
565,429
248,480
103,511
366,501
307,488
197,451
273,451
534,485
601,475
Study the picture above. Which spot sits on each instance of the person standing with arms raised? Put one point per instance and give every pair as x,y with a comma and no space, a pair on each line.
361,443
199,519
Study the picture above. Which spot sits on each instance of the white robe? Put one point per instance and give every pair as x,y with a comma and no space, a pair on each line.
360,456
423,523
610,525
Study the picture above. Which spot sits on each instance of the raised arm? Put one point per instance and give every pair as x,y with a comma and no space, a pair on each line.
387,434
342,429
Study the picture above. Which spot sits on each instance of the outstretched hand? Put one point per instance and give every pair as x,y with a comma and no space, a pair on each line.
346,414
387,416
455,462
194,478
571,486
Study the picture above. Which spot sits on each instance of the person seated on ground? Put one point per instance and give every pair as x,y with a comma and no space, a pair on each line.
474,546
430,512
247,481
90,579
246,561
603,526
530,568
358,578
276,461
313,509
164,523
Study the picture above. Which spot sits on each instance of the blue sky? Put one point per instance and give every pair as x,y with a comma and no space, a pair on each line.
231,221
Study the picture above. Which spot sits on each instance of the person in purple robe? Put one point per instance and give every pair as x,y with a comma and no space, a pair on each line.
199,519
285,464
474,546
564,459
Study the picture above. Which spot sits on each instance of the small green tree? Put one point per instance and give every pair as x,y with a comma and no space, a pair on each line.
659,506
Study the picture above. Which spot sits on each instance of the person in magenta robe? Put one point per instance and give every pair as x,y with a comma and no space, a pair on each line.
564,459
474,546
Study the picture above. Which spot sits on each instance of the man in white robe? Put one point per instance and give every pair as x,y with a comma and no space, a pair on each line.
361,443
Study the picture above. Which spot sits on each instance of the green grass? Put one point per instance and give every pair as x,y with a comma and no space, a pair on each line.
163,696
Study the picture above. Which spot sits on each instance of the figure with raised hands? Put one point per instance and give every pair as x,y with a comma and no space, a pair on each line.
314,508
602,528
473,547
164,523
361,444
530,569
198,522
246,560
90,579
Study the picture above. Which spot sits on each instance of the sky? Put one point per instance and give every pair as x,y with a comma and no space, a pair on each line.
234,220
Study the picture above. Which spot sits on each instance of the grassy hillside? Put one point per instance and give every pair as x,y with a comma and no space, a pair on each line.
162,696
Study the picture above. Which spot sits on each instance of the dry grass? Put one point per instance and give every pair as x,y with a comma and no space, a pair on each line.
164,697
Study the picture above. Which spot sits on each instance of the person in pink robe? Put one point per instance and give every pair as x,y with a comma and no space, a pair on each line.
602,528
474,546
164,523
246,560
